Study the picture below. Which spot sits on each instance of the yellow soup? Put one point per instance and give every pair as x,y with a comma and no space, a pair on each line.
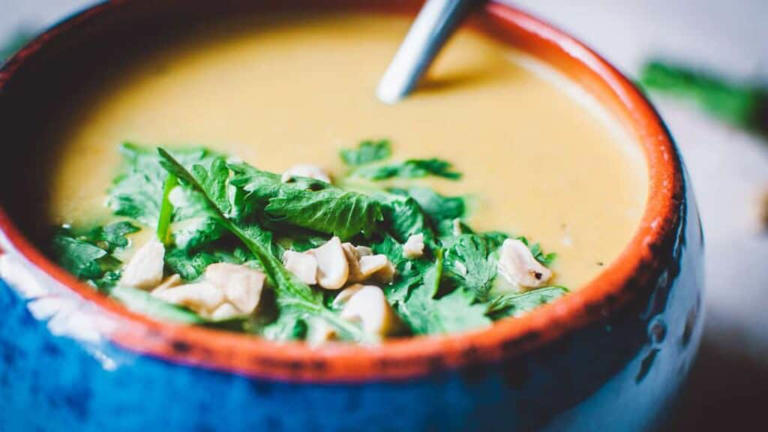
539,157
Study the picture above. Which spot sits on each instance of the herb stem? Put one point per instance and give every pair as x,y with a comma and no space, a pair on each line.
166,210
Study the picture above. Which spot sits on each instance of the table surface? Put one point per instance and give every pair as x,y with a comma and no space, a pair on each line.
728,168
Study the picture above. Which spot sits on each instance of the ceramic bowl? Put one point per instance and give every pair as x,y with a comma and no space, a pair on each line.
610,356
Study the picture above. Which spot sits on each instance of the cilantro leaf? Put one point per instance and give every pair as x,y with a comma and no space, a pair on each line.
367,151
78,256
405,218
518,304
86,260
437,207
743,104
306,203
331,211
142,190
469,263
455,312
137,192
411,168
112,236
451,313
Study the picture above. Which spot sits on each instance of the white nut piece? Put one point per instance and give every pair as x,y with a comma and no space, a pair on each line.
343,297
305,170
145,269
225,311
363,250
377,268
201,297
241,285
363,265
169,282
414,246
302,265
352,254
332,265
519,267
368,306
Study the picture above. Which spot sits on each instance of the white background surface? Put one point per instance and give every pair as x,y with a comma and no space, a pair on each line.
729,170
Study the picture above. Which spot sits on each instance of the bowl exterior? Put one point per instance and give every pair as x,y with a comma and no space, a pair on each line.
61,369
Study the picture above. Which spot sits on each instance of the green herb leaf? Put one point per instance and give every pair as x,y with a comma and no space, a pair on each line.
86,260
331,211
78,257
305,203
137,192
112,236
412,168
405,218
470,263
453,312
367,151
518,304
741,104
437,207
546,259
16,40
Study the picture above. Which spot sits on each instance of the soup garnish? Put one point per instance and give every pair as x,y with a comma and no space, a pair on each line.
362,256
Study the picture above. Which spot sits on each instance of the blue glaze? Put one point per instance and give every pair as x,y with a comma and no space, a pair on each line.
620,374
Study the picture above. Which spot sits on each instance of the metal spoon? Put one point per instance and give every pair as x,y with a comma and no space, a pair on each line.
435,23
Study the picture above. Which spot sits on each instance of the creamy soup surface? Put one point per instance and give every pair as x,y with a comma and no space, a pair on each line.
539,158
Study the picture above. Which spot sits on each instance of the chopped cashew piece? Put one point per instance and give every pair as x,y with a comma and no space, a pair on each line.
225,291
368,306
414,246
332,265
518,266
303,265
241,284
363,265
145,268
305,170
225,311
377,267
201,297
169,282
343,297
363,250
352,254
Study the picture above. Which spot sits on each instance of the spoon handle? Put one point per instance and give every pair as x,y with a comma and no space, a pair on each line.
435,23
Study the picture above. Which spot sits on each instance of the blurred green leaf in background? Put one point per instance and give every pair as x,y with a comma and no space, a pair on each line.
741,104
11,43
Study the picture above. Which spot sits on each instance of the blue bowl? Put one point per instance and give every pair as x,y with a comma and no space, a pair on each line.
610,356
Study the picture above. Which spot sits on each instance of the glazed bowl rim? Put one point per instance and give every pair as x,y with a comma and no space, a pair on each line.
421,355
